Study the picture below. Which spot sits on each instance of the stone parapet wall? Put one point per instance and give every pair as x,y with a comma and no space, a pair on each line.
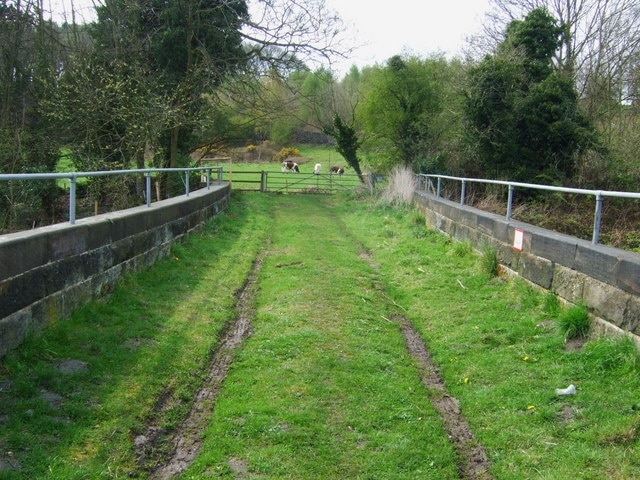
48,272
605,279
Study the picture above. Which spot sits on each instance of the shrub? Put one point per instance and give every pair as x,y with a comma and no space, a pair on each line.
285,153
461,249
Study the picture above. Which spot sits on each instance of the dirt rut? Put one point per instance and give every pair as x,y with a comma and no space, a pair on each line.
473,463
187,441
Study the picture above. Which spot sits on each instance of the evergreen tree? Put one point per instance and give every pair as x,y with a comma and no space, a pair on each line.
347,143
523,117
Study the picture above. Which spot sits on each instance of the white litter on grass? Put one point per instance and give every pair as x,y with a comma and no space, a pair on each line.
570,390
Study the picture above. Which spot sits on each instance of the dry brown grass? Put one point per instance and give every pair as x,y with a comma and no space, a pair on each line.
402,185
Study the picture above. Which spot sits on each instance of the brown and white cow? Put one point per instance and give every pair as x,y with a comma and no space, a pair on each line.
290,166
338,170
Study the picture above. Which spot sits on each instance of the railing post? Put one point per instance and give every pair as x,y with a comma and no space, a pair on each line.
147,181
186,183
463,191
263,181
219,175
439,187
510,201
597,221
72,199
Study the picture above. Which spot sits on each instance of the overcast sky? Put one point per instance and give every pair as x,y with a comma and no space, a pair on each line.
384,29
417,27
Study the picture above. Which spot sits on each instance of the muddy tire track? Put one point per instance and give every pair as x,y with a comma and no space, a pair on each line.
473,462
187,441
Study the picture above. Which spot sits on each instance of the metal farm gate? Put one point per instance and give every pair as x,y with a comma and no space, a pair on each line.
290,182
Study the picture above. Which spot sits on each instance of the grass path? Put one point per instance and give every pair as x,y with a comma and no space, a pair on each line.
324,387
294,333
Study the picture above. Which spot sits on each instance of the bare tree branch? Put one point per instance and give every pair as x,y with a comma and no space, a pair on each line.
282,30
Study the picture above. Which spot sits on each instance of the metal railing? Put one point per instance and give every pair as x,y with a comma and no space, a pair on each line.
147,172
425,182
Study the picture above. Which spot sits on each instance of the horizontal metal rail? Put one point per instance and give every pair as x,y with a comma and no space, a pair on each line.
277,182
316,183
147,172
425,182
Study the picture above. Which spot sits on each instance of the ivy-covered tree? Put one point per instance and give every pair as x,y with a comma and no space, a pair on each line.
182,53
137,97
347,143
524,119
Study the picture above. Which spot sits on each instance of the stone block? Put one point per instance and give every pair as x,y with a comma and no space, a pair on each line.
597,261
628,273
17,258
71,240
552,246
568,283
606,301
631,321
537,270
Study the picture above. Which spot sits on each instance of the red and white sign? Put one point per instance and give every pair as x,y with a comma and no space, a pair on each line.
518,239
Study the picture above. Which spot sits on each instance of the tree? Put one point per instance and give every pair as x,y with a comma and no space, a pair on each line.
596,34
287,35
402,111
599,51
187,47
30,52
347,143
523,116
184,52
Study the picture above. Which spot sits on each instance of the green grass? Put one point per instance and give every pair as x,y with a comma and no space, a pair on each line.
324,387
575,322
64,165
327,156
502,353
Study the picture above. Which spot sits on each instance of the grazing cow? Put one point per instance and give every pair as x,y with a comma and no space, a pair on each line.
290,166
338,170
316,169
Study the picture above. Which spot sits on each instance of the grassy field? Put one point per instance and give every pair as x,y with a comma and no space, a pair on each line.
248,176
324,387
